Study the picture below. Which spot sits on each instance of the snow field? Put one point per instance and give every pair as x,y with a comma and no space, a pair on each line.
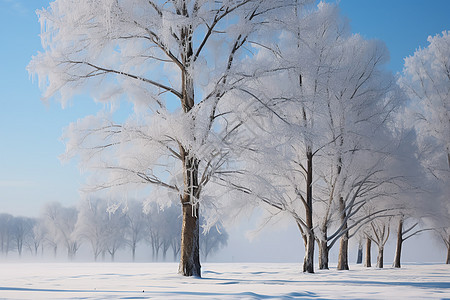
220,281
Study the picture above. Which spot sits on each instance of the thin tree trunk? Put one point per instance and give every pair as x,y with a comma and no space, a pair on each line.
308,262
368,262
448,256
343,245
380,257
448,252
398,251
360,253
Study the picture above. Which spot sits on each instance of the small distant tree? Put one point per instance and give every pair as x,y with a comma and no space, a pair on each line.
359,257
135,225
37,238
91,224
21,232
5,233
169,229
115,228
60,222
213,240
378,231
153,236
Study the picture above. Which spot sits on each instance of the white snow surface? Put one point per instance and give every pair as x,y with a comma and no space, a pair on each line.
219,281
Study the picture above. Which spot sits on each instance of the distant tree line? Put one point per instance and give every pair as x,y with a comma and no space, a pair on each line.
103,228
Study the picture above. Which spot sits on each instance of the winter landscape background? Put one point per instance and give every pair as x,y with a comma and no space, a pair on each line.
332,119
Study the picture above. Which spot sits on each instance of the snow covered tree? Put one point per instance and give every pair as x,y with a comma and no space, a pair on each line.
426,79
114,235
179,63
323,116
60,222
288,119
92,223
361,99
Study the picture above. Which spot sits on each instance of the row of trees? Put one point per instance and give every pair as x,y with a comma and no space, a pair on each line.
252,103
102,228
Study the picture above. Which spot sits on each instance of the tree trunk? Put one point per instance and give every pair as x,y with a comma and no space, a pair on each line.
343,253
190,250
189,259
398,251
448,256
448,252
380,257
323,255
308,262
343,245
368,262
360,253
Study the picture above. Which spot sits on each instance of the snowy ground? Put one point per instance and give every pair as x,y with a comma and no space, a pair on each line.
220,281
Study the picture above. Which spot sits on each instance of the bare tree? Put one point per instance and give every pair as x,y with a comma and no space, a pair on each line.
21,231
404,233
92,224
38,237
5,233
135,228
378,231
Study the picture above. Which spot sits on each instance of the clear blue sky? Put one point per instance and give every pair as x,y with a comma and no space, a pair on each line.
30,172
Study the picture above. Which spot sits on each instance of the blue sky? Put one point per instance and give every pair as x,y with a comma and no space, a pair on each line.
30,172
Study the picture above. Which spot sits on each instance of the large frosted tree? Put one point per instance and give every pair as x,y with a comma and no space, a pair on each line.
426,79
323,116
179,63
